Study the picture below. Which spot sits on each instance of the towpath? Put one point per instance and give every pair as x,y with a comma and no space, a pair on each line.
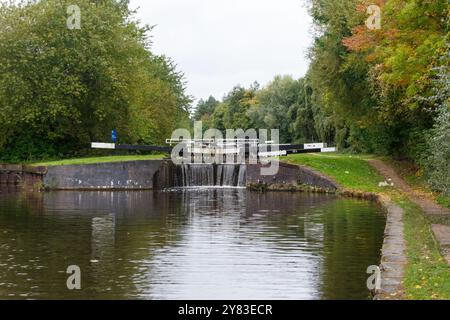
434,211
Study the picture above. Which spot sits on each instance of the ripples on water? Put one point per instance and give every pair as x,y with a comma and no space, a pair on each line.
187,244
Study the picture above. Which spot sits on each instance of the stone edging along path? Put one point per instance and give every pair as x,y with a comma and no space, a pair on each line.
393,254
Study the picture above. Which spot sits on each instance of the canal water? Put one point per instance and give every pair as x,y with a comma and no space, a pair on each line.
199,243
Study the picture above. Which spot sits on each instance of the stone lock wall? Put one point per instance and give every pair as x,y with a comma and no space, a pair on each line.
150,174
21,175
289,177
100,176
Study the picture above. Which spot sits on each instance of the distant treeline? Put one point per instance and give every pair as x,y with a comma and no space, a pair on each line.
284,104
62,87
383,91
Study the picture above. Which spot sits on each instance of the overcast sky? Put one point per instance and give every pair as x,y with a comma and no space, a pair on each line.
221,43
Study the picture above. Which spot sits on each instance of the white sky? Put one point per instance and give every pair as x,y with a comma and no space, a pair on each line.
221,43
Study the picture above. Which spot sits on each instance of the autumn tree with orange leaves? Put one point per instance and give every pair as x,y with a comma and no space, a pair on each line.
378,86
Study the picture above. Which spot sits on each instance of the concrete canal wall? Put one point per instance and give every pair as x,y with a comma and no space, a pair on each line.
149,174
393,254
21,175
290,177
137,175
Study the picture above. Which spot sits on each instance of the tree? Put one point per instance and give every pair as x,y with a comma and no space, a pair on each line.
371,83
284,104
62,88
205,107
204,111
233,112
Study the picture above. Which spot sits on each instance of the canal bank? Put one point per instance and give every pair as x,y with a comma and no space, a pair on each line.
22,176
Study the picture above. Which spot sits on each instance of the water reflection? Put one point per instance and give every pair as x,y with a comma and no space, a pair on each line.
195,244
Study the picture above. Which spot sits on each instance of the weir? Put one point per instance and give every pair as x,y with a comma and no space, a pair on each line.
205,175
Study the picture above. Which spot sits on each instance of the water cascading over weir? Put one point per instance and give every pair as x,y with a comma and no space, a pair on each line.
200,175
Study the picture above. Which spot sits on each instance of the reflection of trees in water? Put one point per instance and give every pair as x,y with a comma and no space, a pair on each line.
42,234
14,200
126,227
280,216
128,232
252,241
14,260
353,237
344,235
291,215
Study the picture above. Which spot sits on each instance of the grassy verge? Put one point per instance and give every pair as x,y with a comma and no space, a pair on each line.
99,160
350,171
443,200
427,273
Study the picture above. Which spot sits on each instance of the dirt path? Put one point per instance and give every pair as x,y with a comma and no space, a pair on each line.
432,209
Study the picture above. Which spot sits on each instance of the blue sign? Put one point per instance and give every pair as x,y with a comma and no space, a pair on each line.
114,135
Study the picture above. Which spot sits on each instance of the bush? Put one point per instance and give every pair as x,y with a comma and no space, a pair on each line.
437,163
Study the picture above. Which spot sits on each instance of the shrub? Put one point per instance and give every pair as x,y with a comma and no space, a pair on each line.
437,163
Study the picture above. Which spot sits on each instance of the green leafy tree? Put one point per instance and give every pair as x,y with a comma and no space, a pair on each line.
204,111
372,85
284,104
233,112
62,88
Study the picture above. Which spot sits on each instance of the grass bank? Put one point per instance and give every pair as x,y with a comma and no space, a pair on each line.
426,273
351,172
92,160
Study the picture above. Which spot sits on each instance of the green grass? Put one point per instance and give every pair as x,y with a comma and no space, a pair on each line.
98,160
443,200
350,171
427,273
